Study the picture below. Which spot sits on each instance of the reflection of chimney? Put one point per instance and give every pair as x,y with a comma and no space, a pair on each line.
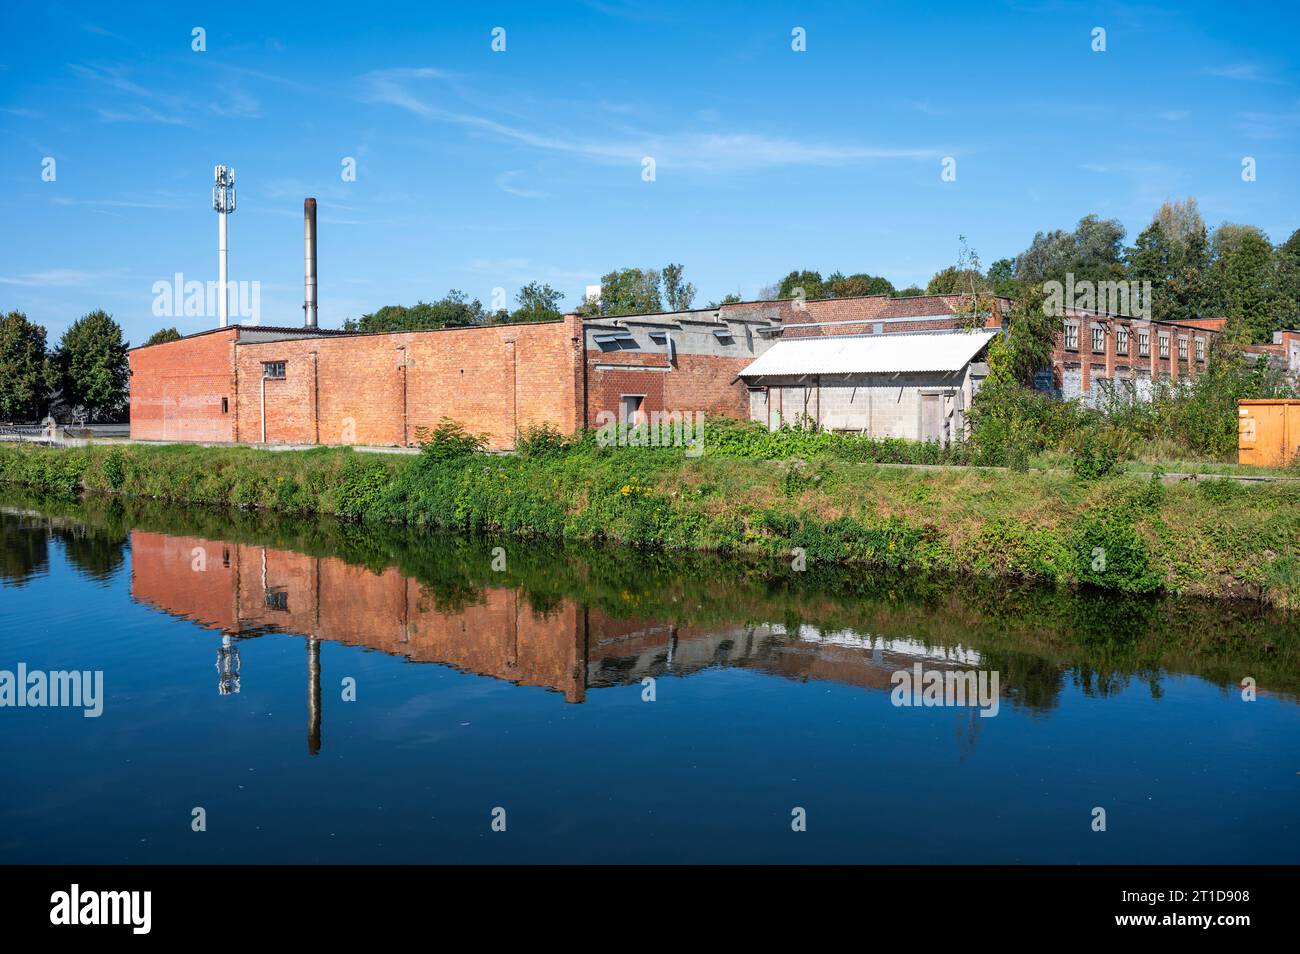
309,262
313,696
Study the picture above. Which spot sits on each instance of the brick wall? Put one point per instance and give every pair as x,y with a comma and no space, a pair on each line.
381,389
1110,363
177,389
692,383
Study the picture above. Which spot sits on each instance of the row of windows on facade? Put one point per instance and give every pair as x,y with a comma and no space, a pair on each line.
1121,342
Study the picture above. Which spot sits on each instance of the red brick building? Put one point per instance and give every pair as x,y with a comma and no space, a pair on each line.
307,386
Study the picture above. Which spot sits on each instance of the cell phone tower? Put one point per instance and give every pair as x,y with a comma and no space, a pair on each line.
223,201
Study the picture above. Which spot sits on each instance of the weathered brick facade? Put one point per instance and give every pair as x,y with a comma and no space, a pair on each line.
184,390
381,390
282,386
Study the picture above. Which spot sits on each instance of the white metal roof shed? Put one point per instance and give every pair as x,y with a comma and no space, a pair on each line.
870,354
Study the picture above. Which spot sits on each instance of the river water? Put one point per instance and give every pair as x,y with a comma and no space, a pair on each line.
310,691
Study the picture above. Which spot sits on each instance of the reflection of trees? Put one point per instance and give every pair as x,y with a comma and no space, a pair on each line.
97,555
1031,681
25,552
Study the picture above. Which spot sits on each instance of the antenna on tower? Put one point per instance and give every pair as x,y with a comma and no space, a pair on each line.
223,201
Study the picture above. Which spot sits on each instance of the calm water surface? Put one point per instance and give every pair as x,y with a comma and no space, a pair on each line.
228,641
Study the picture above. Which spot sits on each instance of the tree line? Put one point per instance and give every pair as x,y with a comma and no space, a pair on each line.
86,370
1232,272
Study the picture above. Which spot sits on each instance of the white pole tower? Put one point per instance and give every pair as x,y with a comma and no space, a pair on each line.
223,201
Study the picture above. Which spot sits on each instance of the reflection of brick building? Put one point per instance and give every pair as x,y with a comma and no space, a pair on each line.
245,590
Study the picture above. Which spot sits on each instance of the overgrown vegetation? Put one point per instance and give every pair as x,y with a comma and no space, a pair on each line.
1195,419
1040,526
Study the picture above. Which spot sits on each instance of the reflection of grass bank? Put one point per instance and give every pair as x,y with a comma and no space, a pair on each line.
1038,637
1214,538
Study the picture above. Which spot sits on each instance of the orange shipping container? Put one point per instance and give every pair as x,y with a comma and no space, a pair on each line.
1268,431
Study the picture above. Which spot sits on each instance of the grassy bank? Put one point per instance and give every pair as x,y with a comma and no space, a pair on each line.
1032,634
1121,533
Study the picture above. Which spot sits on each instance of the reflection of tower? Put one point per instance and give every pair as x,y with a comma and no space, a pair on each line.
313,695
227,667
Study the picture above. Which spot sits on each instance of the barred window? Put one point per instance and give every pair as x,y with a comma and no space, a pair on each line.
273,369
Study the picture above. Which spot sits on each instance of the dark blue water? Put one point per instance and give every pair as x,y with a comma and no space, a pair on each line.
523,690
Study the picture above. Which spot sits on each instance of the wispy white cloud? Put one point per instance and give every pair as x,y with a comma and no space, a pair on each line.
505,182
123,203
1264,124
53,278
700,151
140,114
100,31
1247,72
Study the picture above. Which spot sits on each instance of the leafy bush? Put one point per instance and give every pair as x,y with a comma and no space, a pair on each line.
448,441
1098,452
540,441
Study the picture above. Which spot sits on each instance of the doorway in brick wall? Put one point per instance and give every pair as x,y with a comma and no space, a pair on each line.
630,409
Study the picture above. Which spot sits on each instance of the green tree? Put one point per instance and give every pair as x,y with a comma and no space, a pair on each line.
1092,252
630,291
1173,254
538,302
911,291
810,283
857,285
1030,338
956,281
1242,282
453,310
27,376
162,336
1002,278
678,294
92,364
1286,270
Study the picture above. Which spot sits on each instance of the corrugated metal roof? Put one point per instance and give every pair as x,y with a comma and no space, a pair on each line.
870,354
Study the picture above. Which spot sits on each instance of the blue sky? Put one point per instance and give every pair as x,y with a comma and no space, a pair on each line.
479,170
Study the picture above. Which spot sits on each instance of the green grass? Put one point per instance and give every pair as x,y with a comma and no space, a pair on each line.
1213,539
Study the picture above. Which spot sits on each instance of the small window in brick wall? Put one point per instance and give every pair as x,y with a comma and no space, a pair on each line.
1182,347
1121,341
1098,338
1072,336
1144,343
1200,349
225,405
273,369
1164,346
